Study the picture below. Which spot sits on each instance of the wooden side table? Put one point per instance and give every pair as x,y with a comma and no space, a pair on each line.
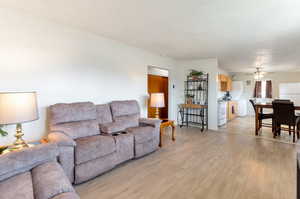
32,144
164,124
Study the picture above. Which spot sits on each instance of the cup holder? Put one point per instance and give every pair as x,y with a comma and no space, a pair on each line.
119,133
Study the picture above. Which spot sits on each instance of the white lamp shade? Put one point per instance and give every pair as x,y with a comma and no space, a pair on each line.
18,107
157,100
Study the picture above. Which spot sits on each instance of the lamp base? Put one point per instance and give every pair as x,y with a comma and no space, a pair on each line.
19,143
156,113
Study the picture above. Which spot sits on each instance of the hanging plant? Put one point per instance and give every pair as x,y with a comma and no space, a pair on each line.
2,132
194,74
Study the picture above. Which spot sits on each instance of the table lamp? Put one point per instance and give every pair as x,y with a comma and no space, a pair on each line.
17,108
157,101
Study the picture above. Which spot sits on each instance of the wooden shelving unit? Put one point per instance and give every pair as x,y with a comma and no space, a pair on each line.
195,109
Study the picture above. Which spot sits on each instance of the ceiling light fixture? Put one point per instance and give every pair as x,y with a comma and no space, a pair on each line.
258,74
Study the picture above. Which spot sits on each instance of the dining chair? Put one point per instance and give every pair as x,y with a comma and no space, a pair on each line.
284,114
262,116
281,100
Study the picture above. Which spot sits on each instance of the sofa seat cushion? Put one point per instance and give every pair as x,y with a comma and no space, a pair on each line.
92,147
50,180
17,187
78,129
142,133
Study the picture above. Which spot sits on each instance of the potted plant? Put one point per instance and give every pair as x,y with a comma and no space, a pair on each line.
189,98
195,75
2,132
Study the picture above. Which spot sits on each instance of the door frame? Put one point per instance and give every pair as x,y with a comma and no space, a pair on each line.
171,107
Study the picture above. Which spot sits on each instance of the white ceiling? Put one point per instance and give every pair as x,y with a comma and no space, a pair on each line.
242,34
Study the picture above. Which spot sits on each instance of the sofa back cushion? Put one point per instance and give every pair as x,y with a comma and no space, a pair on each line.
128,120
128,111
103,114
72,112
17,162
77,129
126,107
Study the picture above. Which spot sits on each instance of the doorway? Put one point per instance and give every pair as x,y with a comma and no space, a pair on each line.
158,82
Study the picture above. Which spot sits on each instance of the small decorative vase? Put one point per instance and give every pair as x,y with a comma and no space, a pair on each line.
195,77
189,100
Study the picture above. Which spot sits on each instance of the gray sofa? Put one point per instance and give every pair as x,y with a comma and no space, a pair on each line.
93,139
34,173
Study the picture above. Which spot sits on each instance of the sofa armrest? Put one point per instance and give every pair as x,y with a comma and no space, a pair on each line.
66,151
20,161
61,139
150,122
113,127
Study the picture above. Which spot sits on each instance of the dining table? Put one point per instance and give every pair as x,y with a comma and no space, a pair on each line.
259,106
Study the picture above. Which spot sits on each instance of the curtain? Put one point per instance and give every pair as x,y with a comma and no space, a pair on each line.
269,89
257,90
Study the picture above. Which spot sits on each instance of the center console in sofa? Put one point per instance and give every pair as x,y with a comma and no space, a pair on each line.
93,139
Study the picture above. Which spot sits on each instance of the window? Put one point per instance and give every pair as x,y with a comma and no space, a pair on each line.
263,89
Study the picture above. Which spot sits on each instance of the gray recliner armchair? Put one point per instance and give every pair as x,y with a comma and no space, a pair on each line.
33,173
145,131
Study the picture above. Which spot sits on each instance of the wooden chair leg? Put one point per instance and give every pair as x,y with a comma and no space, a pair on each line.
275,130
294,136
294,132
260,123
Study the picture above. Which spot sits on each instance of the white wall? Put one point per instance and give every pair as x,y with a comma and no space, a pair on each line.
64,64
206,65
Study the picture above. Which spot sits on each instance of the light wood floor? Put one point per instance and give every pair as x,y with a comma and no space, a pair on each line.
210,165
246,126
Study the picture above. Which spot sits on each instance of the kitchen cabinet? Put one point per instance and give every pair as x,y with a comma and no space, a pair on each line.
225,83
